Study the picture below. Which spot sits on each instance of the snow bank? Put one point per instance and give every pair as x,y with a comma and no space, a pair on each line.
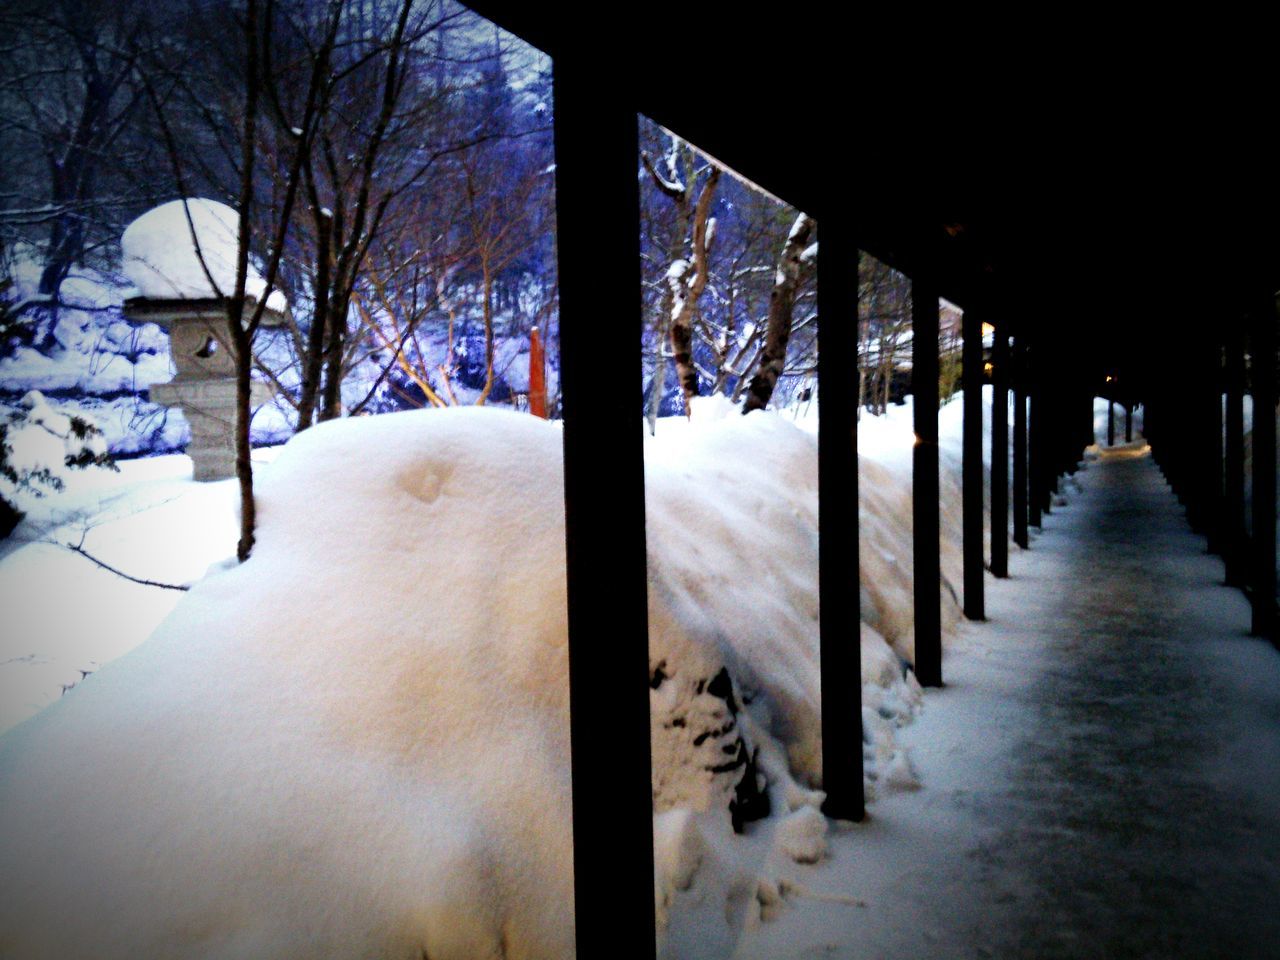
187,250
357,742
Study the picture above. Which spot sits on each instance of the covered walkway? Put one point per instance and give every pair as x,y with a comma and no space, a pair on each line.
1102,769
1094,279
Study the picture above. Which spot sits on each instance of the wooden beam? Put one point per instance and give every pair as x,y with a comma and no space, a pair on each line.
1263,353
1000,454
1020,495
1211,403
1233,455
597,209
926,558
1036,426
972,469
840,621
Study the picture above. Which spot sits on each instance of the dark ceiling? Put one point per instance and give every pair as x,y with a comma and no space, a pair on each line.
1112,185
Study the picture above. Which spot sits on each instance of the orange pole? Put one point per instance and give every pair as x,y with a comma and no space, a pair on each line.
537,375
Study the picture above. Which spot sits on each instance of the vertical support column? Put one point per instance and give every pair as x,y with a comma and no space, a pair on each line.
597,207
838,574
1000,454
1128,421
1233,505
1085,436
1036,489
926,558
1051,438
972,471
1020,442
1263,340
1213,479
1111,421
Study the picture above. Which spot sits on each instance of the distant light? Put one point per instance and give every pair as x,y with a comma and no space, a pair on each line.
987,329
1110,378
988,368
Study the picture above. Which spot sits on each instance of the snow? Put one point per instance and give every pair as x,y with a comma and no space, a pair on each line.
168,257
1100,426
390,665
65,617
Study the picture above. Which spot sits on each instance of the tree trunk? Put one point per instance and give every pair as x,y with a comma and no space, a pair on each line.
312,363
331,405
658,384
687,290
781,303
488,333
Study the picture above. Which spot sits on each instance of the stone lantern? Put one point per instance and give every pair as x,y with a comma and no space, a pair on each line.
171,254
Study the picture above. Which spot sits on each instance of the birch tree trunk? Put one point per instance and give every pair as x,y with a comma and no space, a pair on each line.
687,289
781,304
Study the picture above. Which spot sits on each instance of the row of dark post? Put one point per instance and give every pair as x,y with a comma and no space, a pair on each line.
1048,443
597,209
1195,424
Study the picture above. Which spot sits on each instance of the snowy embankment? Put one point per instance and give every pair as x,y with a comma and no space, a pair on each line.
356,743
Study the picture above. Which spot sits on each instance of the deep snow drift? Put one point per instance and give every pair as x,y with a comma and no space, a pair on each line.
390,666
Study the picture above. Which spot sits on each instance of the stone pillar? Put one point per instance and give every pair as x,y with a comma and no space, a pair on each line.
204,388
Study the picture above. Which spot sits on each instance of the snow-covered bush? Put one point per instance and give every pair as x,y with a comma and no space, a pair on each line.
38,445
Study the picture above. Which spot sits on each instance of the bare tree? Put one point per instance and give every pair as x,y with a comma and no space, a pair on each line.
244,316
72,96
375,253
884,316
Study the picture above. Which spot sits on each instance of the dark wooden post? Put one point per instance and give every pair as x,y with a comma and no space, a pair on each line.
1036,488
1233,505
838,573
1128,421
926,558
1051,437
1000,453
1263,352
597,208
1020,442
1085,435
1111,421
1213,480
1176,403
972,475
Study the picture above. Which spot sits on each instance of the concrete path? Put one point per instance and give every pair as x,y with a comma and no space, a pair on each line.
1102,771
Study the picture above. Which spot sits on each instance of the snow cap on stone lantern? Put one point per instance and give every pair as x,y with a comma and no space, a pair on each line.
172,251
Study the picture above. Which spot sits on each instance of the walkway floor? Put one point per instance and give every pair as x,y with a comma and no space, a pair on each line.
1102,771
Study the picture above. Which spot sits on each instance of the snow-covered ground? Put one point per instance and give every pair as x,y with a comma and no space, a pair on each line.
1101,774
65,616
401,615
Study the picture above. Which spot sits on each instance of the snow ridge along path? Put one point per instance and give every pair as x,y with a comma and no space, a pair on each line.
1102,770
